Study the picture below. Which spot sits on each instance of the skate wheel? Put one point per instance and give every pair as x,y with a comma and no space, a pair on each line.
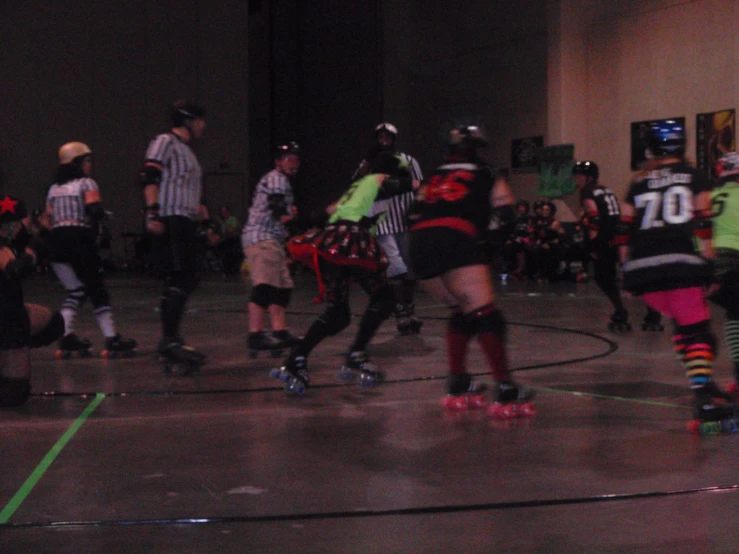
526,410
477,402
296,386
502,411
346,374
276,373
59,355
454,403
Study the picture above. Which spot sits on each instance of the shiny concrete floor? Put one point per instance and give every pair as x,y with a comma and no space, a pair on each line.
125,459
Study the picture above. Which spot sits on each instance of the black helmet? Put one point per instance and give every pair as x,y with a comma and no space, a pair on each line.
587,168
184,111
469,136
552,208
290,147
538,205
665,143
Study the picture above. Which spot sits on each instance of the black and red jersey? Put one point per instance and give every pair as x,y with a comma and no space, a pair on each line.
609,211
457,195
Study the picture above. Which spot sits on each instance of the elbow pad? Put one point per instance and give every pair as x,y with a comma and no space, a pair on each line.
622,230
276,205
393,186
95,211
150,175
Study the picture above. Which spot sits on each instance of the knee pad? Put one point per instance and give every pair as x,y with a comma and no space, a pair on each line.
488,320
336,318
460,323
382,301
52,331
280,297
260,295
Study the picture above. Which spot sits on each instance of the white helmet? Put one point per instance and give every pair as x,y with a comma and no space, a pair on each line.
68,152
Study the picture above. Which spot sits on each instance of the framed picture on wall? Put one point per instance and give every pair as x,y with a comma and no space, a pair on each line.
715,135
555,170
639,129
525,154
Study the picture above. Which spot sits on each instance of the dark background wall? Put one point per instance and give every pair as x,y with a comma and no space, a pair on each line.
323,73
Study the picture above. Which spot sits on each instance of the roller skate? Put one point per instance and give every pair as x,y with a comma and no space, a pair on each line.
179,358
406,320
358,361
512,400
619,321
463,393
262,342
652,322
714,411
294,374
118,347
71,345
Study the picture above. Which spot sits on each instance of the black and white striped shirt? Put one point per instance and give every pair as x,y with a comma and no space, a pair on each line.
262,225
180,189
396,207
67,203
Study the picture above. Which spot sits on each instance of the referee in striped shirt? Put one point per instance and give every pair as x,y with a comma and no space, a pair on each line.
263,240
172,181
392,230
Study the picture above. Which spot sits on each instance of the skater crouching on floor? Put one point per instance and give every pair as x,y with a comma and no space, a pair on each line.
74,208
451,211
667,210
346,250
263,240
22,326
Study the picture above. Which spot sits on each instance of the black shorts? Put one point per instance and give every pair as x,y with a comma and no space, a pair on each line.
178,249
435,251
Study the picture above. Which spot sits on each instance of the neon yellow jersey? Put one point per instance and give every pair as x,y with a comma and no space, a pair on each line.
357,201
725,207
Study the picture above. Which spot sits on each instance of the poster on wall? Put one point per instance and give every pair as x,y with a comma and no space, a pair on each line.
715,136
555,170
525,154
639,129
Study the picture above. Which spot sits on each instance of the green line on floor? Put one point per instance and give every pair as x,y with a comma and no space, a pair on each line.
609,397
34,478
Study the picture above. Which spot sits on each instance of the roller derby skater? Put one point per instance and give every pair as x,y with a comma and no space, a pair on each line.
22,326
179,358
75,210
391,231
346,250
666,231
725,208
171,179
452,265
263,240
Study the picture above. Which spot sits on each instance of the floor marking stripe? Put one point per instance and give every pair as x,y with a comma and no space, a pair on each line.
41,468
491,506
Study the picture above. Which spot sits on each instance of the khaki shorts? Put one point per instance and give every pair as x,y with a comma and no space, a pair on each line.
268,264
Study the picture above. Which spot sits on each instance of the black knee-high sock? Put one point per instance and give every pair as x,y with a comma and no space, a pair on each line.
172,310
371,321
